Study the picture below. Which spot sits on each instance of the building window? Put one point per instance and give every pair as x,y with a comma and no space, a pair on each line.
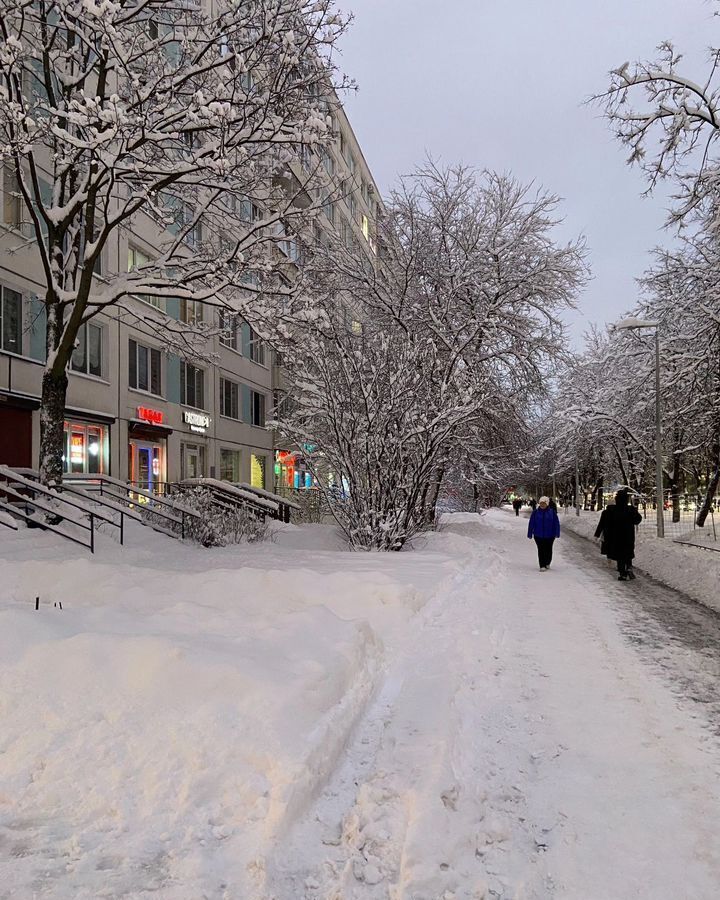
256,347
365,225
183,217
192,460
86,449
192,386
229,399
87,357
136,259
12,201
257,409
345,233
328,162
228,329
257,470
230,465
144,368
11,321
191,311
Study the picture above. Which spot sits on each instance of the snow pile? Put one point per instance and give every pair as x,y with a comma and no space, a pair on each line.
165,727
692,570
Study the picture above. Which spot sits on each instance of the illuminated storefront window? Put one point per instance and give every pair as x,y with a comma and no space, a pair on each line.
86,449
257,471
291,471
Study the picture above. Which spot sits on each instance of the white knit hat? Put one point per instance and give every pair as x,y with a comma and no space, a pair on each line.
544,500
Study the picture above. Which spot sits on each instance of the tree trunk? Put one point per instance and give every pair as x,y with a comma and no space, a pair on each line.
434,494
52,418
675,488
712,487
58,343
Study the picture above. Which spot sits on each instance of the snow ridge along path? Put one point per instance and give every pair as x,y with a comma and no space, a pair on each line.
518,748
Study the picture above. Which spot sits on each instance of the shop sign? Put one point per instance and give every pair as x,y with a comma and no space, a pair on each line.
153,416
77,449
198,422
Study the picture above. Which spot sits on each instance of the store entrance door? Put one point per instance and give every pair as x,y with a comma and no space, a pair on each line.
147,465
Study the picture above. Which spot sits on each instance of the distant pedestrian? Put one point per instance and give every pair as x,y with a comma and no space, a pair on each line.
517,504
619,534
552,504
544,527
532,504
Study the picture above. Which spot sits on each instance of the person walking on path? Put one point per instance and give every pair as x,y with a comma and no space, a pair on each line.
602,529
544,526
517,503
619,534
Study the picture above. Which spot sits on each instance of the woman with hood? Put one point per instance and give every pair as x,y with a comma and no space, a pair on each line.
544,526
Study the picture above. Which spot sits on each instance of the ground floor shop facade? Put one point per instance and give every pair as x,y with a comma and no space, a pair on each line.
148,441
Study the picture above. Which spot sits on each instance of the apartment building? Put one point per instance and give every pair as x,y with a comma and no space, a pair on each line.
352,220
136,410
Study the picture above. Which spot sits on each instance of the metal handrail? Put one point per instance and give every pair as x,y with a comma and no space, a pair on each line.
48,526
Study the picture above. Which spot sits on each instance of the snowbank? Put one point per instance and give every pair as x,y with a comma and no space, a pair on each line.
692,570
165,727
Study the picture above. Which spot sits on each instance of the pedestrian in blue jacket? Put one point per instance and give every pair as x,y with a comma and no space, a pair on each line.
544,526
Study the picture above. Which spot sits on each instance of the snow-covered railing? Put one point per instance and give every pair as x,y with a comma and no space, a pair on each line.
21,495
226,493
261,492
137,499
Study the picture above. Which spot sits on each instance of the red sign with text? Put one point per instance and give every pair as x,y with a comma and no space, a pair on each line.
154,416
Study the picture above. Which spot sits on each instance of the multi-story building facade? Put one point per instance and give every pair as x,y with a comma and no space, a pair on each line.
352,220
136,410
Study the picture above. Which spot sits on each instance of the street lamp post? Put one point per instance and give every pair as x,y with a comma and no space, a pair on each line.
577,486
630,324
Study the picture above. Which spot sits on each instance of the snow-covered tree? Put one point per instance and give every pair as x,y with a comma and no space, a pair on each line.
183,118
454,325
670,121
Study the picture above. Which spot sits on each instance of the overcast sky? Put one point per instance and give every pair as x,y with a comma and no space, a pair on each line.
500,84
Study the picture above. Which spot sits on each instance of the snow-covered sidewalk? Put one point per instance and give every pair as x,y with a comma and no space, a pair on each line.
303,723
689,563
520,749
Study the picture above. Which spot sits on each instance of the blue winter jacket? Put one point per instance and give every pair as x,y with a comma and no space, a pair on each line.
544,523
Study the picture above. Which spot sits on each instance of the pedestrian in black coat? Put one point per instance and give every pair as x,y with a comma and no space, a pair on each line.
619,532
517,503
605,517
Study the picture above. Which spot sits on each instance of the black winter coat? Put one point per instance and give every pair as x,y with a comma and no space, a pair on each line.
617,526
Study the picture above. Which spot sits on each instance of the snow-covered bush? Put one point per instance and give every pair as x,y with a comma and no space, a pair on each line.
220,524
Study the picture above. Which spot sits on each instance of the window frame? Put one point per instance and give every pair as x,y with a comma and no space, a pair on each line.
18,337
152,354
259,397
237,463
229,330
198,381
85,368
233,398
